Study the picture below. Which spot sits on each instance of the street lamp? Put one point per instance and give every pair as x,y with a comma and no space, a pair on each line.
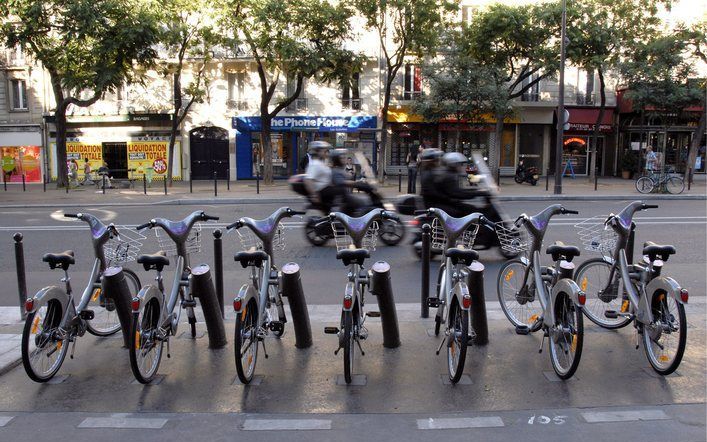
561,104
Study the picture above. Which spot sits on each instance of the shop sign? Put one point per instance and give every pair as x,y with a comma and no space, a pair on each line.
143,155
78,151
21,160
581,127
308,123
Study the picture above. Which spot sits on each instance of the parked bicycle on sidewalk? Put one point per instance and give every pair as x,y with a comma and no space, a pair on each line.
660,181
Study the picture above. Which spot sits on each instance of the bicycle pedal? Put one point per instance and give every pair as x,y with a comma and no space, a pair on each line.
87,315
188,303
331,330
276,326
373,314
433,302
611,314
522,330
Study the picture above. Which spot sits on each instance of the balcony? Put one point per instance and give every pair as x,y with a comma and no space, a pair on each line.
530,96
351,103
241,105
585,99
300,104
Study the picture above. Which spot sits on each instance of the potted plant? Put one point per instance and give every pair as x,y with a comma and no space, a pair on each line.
629,164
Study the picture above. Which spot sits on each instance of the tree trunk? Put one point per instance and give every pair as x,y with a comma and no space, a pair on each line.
175,122
382,157
266,149
62,176
695,143
595,134
495,147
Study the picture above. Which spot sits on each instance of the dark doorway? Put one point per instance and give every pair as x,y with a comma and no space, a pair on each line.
209,153
116,155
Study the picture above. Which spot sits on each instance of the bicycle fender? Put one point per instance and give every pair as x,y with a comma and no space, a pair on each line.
149,292
47,294
566,285
460,291
349,292
245,294
666,284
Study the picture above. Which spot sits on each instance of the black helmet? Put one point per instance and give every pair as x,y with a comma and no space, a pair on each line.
454,159
337,157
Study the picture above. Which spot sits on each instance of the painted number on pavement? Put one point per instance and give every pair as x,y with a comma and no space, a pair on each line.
545,420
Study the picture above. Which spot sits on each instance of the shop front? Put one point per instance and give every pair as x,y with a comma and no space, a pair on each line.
21,153
576,145
290,137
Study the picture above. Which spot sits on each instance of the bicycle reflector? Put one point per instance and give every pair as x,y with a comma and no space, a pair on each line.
237,304
348,302
683,295
466,301
135,304
581,297
29,304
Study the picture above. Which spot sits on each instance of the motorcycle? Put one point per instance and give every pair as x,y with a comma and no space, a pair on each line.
390,232
526,174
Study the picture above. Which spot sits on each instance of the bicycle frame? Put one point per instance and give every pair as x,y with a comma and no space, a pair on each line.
168,320
248,291
453,286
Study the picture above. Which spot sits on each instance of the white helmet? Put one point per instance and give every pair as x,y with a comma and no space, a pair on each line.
316,146
454,159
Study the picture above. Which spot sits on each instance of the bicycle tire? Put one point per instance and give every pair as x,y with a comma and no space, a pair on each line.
312,235
675,185
246,340
348,344
644,185
457,342
594,307
391,232
568,339
134,285
661,363
144,328
277,310
49,317
440,309
523,310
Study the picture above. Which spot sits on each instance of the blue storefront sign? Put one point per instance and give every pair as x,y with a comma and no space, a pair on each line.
307,123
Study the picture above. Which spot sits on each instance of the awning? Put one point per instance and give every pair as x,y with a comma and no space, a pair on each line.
584,119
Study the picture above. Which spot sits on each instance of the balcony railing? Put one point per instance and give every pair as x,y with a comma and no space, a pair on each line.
351,103
241,105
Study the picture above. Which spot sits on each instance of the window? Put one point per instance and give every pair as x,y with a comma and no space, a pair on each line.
300,102
585,87
532,93
18,95
236,85
16,56
121,92
468,13
412,81
350,93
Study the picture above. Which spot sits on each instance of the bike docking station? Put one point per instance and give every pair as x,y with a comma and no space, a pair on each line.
114,286
382,289
291,281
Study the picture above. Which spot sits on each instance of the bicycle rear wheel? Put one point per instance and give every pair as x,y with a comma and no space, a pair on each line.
42,351
145,343
246,341
644,184
276,309
106,321
457,342
665,338
593,278
675,185
566,337
348,343
518,300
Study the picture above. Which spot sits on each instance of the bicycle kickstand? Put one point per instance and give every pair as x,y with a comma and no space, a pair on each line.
441,344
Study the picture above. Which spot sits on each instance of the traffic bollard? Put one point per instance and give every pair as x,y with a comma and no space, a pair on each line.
44,184
164,181
381,288
21,276
596,178
257,182
425,293
104,184
215,184
4,180
400,182
218,268
689,178
144,184
202,287
191,190
547,180
24,187
292,290
114,286
479,322
498,176
228,179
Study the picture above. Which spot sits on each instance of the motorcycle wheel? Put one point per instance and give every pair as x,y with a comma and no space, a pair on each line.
312,234
518,179
391,232
534,182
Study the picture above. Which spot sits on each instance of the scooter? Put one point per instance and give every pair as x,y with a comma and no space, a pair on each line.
526,174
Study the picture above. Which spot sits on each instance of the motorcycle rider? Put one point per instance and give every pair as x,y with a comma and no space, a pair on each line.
446,193
318,176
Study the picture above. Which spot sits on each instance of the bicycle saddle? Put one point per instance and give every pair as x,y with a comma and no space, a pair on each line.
251,258
455,226
467,256
155,261
353,256
63,259
654,251
560,250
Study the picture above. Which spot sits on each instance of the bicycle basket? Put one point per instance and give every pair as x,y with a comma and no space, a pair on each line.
511,238
192,244
125,247
249,241
595,237
439,236
344,241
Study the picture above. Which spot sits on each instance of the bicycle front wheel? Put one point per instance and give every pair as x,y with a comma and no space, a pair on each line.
675,185
566,337
246,341
105,321
518,300
440,310
665,338
457,342
644,184
593,278
43,350
145,342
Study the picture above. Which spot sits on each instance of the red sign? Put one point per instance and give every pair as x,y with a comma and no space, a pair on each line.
160,165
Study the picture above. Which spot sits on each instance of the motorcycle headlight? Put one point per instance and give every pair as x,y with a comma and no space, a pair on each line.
389,207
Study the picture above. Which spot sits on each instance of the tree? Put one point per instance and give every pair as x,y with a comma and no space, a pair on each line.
295,39
88,47
187,33
404,28
519,46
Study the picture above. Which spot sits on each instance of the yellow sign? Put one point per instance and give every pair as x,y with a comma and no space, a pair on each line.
78,151
143,155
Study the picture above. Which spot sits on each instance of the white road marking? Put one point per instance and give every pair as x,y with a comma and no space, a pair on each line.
286,424
459,422
123,422
4,420
594,417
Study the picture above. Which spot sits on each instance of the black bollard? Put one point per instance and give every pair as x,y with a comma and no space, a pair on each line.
400,181
381,288
44,183
218,268
547,180
257,182
498,176
596,178
21,277
4,180
164,181
115,287
191,190
479,322
24,186
215,184
425,293
292,290
228,178
104,184
203,288
689,178
144,184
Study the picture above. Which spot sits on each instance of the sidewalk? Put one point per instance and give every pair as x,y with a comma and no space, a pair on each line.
244,192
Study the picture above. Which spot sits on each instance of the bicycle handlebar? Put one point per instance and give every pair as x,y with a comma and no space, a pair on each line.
570,212
650,206
236,225
206,217
71,215
149,224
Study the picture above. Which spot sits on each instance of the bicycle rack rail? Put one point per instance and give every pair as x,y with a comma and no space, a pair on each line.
292,290
202,287
382,289
115,287
425,294
479,322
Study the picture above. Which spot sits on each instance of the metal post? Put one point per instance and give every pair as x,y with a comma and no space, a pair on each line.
24,187
144,184
561,104
228,178
689,178
630,244
44,183
218,268
425,293
21,278
400,181
203,287
164,181
596,178
479,322
4,180
381,288
257,181
498,177
190,185
103,184
115,287
292,290
547,179
215,184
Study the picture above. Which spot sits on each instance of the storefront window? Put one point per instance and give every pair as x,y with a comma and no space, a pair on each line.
21,160
281,153
575,152
469,142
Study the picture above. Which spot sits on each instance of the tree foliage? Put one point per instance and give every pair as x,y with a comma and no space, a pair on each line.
87,47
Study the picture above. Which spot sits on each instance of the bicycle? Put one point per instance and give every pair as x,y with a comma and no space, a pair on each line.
456,237
355,239
54,319
153,319
559,313
258,306
671,183
619,293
